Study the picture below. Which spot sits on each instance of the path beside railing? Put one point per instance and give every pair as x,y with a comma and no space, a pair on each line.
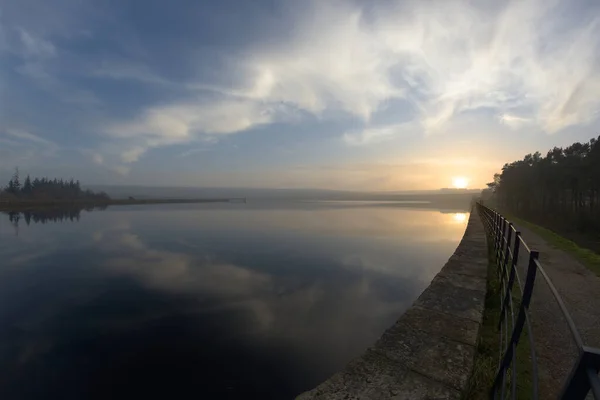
580,290
550,303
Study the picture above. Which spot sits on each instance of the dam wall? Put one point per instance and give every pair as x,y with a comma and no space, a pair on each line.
429,352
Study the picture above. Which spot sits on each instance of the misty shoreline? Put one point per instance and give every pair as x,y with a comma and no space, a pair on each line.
26,204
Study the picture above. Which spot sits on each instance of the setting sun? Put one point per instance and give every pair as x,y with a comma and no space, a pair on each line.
460,182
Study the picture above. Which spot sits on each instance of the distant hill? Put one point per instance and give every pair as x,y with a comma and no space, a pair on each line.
143,192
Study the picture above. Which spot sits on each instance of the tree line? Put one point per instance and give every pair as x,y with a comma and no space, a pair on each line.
49,189
561,189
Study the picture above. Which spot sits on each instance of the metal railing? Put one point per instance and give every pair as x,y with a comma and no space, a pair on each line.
514,316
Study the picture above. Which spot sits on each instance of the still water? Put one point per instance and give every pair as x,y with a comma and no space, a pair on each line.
206,301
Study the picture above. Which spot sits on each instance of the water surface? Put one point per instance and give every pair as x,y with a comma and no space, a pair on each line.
210,301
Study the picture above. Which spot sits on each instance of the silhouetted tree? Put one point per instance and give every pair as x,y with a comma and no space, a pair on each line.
14,185
560,189
51,189
27,187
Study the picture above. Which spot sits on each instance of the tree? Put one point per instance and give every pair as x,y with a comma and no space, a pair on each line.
27,187
561,189
14,185
52,189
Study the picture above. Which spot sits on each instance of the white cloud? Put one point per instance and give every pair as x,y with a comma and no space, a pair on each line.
375,135
28,136
133,154
513,121
182,123
461,58
334,62
445,57
175,123
328,66
522,60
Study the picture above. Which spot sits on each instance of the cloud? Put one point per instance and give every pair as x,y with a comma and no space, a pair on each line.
34,46
460,58
133,154
340,64
184,122
176,123
513,121
27,136
98,159
401,174
21,147
375,135
334,62
128,70
191,152
446,58
120,169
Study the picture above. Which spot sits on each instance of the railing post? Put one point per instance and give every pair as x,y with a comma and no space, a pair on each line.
581,379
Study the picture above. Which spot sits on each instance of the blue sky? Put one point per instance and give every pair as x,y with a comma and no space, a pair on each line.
379,95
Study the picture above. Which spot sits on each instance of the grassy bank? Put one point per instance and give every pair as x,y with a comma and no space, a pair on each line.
487,357
587,257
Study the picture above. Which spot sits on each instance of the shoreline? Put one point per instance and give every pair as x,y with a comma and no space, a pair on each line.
28,205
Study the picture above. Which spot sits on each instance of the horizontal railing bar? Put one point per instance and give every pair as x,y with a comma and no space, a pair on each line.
523,243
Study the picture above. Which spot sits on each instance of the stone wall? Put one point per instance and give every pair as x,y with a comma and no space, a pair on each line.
429,352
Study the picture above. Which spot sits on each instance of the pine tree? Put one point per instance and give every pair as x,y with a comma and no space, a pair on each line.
14,186
27,187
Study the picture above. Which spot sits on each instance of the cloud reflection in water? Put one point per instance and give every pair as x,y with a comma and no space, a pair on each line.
213,297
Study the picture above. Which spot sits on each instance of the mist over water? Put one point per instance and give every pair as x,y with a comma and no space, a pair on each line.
216,300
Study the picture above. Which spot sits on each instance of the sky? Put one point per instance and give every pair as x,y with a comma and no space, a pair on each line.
377,95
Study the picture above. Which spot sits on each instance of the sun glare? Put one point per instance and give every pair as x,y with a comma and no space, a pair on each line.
459,217
460,182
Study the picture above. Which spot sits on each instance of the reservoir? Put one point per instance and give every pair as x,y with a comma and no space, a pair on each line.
206,300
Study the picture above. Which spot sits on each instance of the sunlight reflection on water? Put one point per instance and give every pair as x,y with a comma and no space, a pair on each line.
460,218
